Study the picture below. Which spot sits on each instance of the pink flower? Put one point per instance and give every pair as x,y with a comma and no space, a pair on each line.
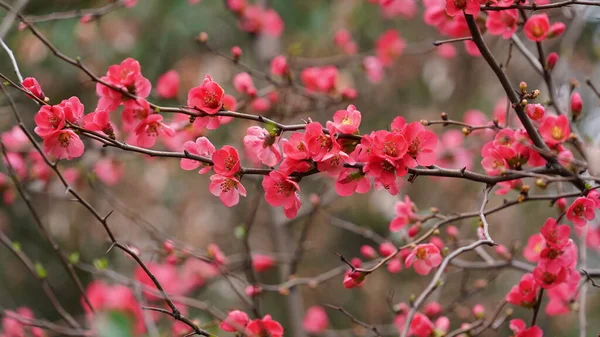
368,251
421,326
581,211
125,76
353,279
537,27
421,145
134,111
519,329
31,84
347,121
551,60
201,147
215,253
244,84
555,130
15,139
424,257
279,66
535,111
502,22
130,3
73,110
389,46
446,51
261,262
451,152
350,181
454,7
255,19
432,309
404,214
226,161
167,85
48,120
557,29
259,143
63,144
99,121
535,245
315,320
119,298
373,68
387,249
236,321
576,103
280,190
267,325
523,294
14,328
550,276
319,79
554,234
208,97
150,128
109,171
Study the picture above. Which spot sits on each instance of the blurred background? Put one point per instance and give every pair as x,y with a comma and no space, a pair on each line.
155,200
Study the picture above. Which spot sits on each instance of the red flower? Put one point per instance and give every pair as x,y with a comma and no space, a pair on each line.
208,97
523,294
264,327
167,85
424,257
454,7
236,321
150,128
31,84
280,190
226,161
315,320
581,211
227,188
63,144
389,46
537,27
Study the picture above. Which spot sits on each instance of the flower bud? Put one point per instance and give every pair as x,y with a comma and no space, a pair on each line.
202,37
576,105
478,311
414,230
523,87
552,60
557,29
236,53
168,246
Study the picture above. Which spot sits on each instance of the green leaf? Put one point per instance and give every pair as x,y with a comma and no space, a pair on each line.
16,245
114,324
101,264
74,257
240,232
40,270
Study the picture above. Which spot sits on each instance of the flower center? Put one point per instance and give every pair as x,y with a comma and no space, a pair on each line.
557,133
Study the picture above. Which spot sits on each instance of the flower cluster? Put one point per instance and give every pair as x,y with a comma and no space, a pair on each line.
239,321
556,258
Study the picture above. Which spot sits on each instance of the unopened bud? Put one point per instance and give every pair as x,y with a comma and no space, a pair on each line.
436,232
523,87
236,53
466,131
315,200
523,102
552,60
424,122
444,116
525,189
541,183
535,94
576,105
202,37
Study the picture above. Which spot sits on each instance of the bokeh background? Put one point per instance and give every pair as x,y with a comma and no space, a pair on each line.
157,200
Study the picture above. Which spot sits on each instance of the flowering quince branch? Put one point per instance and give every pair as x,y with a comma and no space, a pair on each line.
353,319
435,282
284,154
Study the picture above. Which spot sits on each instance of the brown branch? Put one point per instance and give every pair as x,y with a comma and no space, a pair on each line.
95,13
353,319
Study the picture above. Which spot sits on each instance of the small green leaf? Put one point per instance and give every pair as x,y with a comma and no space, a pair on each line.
40,271
74,257
240,232
101,264
16,245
